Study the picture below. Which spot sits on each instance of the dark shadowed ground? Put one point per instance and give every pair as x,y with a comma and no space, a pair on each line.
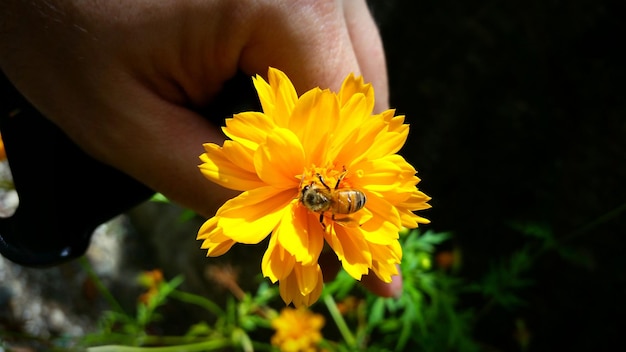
518,115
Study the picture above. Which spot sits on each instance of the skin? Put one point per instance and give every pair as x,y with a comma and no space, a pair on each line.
136,71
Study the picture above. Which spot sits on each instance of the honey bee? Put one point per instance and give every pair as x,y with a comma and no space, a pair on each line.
321,199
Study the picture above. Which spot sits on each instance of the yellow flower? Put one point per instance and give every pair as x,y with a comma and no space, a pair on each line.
151,280
325,148
297,330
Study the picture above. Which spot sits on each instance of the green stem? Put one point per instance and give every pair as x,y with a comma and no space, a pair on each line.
197,300
101,287
341,323
201,346
598,221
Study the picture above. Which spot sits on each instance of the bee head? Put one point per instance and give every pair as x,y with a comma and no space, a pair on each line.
314,198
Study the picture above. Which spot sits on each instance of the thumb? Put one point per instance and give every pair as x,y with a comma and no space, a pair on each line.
381,288
330,267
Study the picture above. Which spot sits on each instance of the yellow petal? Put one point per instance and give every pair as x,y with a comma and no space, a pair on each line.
307,277
354,85
289,288
346,134
278,97
248,128
390,177
277,263
314,118
380,175
216,249
396,123
301,234
411,220
354,112
213,238
251,216
356,146
220,168
386,259
239,155
379,232
207,227
280,159
357,258
385,223
387,143
416,201
374,139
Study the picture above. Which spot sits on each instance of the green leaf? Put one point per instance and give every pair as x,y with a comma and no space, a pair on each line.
159,198
377,312
576,257
408,317
341,287
240,338
199,329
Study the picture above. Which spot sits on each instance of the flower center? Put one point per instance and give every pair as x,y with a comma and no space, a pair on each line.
324,177
327,191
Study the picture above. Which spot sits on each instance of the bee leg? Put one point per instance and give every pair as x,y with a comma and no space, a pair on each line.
322,181
322,221
344,219
343,174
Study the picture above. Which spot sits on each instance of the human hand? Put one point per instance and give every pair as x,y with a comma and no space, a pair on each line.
125,80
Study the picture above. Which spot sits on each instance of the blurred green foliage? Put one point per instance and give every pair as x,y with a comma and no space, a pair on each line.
428,316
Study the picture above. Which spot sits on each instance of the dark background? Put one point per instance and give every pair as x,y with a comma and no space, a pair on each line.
517,114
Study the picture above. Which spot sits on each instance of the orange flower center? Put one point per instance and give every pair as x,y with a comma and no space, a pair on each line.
324,176
329,192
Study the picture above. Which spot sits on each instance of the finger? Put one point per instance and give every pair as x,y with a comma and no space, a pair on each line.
159,143
369,52
308,40
368,48
100,81
381,288
331,266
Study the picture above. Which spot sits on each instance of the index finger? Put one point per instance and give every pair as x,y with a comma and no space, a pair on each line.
318,45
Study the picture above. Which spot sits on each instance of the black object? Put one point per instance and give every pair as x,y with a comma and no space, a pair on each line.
64,194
